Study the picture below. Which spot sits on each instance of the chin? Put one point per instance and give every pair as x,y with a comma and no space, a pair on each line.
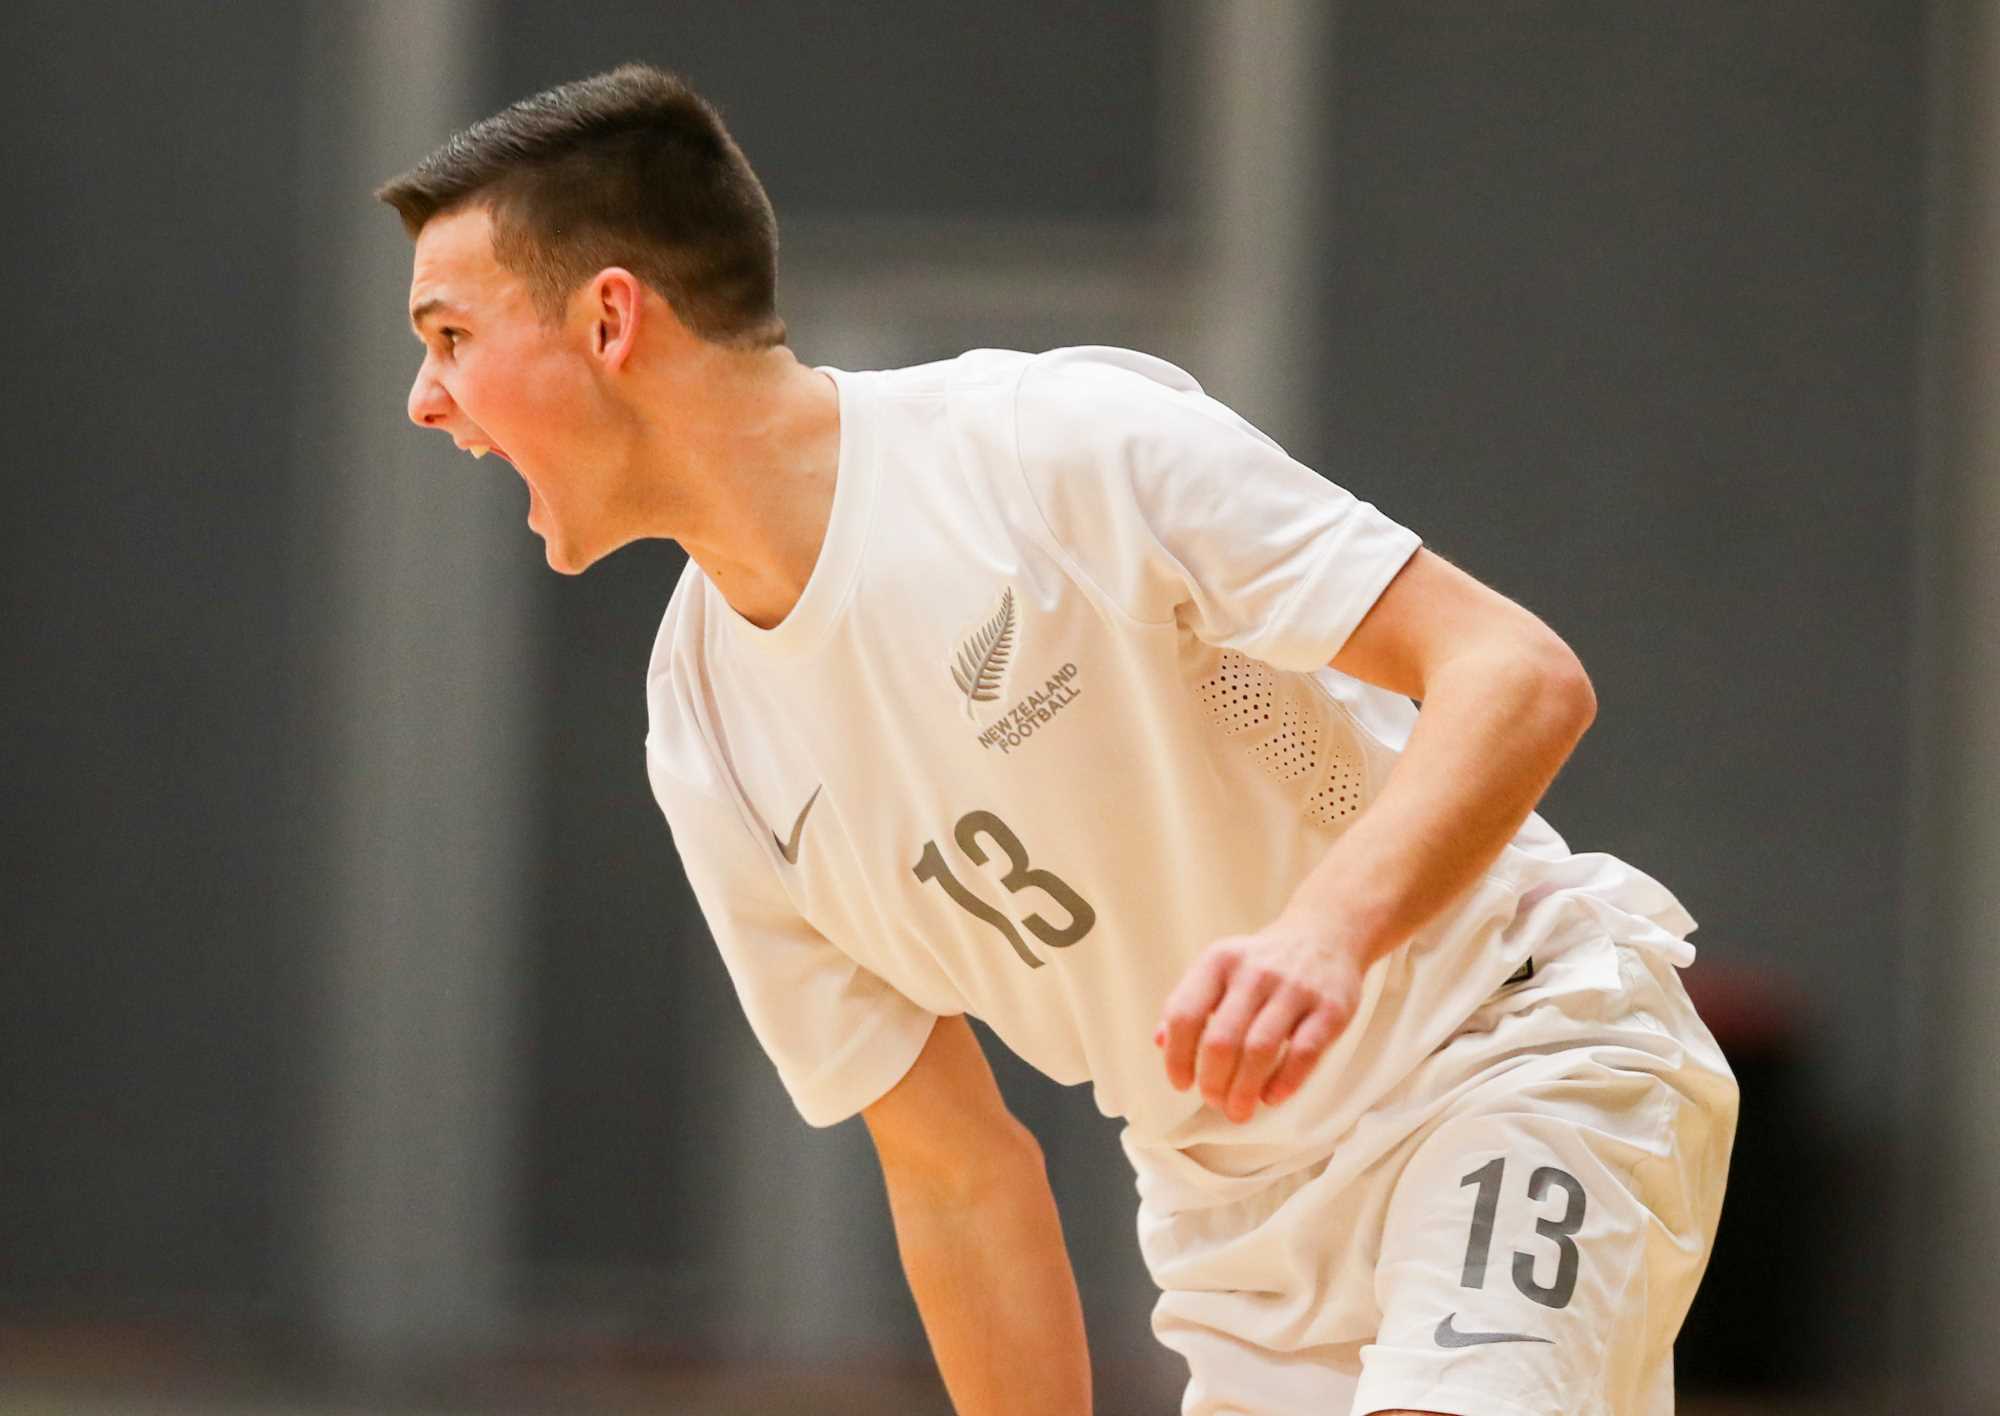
565,559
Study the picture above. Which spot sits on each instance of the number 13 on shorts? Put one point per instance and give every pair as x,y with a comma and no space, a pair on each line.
1547,1181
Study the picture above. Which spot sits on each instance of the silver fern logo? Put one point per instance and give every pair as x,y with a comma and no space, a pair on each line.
980,668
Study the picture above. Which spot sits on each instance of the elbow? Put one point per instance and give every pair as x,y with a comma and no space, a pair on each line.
1569,687
997,1164
1554,681
1539,677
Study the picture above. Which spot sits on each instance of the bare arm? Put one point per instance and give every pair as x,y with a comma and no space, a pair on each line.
980,1239
1504,702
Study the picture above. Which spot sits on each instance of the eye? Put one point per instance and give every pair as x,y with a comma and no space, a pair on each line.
450,336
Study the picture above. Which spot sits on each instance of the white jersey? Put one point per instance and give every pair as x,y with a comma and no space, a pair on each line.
1051,715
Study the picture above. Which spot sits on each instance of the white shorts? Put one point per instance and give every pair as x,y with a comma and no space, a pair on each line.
1517,1229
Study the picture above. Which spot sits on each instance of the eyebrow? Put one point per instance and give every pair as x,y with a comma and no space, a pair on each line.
421,312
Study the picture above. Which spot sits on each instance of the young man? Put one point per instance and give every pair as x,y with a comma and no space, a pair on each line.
1047,690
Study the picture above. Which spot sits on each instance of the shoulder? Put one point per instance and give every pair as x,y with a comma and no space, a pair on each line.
1058,395
967,375
1097,403
1073,381
677,729
678,644
1054,381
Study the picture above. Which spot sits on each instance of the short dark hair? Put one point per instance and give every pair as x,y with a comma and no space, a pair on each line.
631,168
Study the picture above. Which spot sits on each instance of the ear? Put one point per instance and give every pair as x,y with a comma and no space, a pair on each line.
616,305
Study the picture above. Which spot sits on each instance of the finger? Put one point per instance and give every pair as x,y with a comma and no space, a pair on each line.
1263,1046
1222,1039
1308,1044
1188,1008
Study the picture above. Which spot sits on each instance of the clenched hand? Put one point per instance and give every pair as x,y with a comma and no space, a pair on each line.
1254,1013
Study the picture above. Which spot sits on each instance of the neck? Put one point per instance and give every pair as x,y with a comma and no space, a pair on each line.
761,451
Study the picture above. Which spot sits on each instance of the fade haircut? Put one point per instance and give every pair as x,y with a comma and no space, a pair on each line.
630,168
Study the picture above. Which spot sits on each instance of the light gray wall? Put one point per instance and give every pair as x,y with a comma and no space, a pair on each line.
417,637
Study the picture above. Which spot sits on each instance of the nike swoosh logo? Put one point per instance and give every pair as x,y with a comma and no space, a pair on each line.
790,849
1449,1336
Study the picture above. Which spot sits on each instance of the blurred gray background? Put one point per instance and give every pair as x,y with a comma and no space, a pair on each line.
360,1046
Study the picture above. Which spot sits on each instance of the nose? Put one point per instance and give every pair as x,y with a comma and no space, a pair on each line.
429,404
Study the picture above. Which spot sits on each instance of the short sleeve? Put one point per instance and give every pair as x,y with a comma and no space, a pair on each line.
1173,507
839,1035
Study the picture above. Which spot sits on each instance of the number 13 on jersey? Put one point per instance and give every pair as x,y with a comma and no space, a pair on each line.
931,866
